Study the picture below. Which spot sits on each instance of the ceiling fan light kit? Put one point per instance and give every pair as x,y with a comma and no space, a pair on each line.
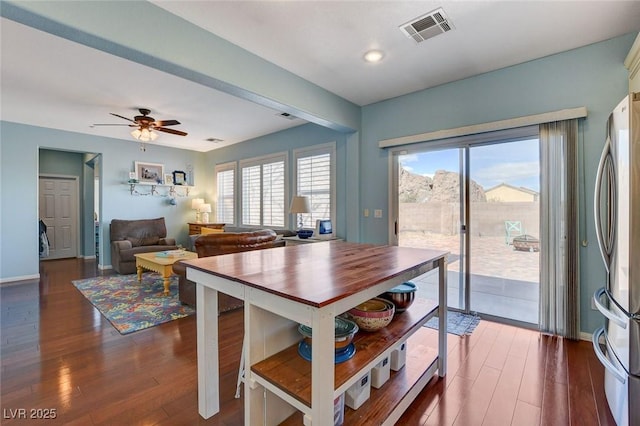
146,127
144,135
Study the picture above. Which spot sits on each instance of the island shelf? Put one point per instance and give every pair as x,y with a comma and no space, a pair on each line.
291,373
311,284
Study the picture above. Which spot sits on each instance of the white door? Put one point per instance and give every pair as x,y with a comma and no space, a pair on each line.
59,211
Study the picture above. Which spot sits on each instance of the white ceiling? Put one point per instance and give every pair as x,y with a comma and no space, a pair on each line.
52,82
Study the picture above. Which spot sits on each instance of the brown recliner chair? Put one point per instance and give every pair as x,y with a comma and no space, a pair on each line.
129,237
223,243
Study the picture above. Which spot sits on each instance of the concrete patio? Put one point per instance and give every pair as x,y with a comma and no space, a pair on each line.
504,282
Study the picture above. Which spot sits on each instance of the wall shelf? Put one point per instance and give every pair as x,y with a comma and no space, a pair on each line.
159,189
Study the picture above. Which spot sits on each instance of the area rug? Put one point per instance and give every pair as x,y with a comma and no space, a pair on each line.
132,306
457,323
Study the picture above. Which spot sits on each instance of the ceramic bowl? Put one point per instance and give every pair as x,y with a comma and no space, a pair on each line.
345,330
305,233
402,296
370,317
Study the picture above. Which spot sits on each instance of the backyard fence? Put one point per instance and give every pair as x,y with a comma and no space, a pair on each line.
487,218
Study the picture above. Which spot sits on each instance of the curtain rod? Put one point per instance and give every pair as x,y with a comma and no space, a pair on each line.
529,120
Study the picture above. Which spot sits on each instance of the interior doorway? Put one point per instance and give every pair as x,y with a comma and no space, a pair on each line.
58,209
479,202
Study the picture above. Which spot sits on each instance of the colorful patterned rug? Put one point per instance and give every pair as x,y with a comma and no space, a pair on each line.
132,306
457,323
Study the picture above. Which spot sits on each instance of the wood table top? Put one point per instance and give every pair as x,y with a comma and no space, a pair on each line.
317,274
152,257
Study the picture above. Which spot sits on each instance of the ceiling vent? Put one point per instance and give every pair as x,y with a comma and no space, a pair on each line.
287,116
427,26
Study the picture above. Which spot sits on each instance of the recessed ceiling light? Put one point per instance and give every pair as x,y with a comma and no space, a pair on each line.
373,56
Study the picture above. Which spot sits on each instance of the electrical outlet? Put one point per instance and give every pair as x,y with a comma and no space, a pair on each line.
366,212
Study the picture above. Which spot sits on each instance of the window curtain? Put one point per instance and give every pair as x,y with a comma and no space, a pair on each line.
559,229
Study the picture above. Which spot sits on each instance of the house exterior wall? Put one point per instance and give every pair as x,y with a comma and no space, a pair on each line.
507,194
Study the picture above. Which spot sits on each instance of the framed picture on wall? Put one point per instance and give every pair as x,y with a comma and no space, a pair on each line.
168,179
179,178
149,172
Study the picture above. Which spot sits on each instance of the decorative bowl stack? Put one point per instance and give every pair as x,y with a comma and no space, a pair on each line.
402,296
373,314
345,330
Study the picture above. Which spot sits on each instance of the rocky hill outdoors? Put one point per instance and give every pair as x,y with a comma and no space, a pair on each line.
444,186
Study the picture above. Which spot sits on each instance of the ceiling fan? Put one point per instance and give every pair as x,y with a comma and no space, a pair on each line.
145,125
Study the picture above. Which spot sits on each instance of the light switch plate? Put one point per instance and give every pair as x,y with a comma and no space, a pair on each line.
377,213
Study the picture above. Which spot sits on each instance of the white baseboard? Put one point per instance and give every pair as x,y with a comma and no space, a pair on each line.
586,336
19,278
88,257
103,267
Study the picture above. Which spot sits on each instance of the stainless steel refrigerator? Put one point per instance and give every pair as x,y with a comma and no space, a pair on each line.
617,216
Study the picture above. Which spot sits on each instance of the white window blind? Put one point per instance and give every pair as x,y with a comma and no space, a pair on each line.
314,179
251,190
273,196
264,192
226,196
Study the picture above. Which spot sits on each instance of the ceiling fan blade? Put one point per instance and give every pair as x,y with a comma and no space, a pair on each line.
174,132
120,116
110,124
161,123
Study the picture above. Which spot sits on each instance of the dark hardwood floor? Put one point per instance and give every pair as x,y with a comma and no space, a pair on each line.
58,352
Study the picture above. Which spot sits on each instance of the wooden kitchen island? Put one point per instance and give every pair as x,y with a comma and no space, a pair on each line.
311,284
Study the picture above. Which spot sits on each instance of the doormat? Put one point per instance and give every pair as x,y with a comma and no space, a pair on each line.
130,305
457,323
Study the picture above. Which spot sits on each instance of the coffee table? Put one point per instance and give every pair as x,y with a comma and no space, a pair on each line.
161,265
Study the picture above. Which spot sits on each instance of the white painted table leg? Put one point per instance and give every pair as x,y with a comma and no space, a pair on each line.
322,368
208,377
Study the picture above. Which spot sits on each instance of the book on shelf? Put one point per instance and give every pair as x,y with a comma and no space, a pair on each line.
171,253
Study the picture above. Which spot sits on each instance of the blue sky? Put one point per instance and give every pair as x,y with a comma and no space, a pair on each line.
515,163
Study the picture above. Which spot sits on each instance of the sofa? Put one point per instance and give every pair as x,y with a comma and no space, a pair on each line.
130,237
223,243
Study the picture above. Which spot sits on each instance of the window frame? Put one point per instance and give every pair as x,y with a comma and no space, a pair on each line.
261,161
310,151
223,168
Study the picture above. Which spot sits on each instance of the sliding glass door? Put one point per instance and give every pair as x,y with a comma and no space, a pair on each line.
480,202
504,230
430,214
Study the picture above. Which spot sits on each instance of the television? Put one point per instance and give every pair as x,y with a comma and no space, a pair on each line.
324,229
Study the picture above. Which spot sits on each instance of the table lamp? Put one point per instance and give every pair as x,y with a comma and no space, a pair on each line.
195,204
204,210
300,204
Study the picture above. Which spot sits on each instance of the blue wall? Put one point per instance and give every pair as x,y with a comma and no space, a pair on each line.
286,141
593,76
19,158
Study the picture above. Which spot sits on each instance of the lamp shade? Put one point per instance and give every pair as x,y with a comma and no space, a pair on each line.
204,208
196,202
300,204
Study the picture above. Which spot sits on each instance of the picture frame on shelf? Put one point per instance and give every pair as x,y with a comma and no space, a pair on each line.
179,177
149,172
168,178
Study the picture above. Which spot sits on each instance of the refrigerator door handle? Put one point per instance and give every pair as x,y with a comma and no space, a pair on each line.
605,169
617,373
597,297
